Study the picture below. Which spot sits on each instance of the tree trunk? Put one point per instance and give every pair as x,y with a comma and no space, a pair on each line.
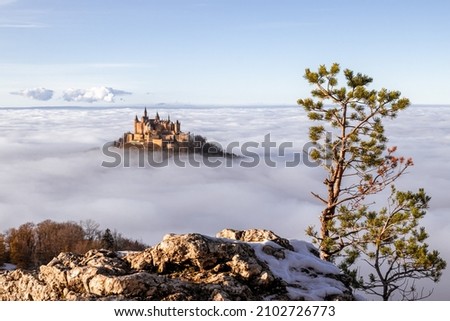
328,214
325,219
385,293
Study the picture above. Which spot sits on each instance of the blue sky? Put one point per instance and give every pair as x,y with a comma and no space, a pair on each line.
104,52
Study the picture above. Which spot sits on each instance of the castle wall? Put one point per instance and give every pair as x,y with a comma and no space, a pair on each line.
128,137
155,131
158,142
182,137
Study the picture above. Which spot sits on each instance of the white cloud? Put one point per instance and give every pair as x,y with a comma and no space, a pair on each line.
35,93
21,25
94,94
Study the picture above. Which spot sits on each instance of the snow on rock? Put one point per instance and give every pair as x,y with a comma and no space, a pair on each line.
307,276
8,267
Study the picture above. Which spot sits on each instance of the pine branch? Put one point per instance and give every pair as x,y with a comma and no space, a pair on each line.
319,197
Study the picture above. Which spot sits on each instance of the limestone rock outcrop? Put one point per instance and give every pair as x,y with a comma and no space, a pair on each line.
235,265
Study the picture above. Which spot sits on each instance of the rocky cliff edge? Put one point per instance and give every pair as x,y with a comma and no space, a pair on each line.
234,265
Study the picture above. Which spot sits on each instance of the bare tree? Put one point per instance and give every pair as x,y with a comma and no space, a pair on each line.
2,250
32,245
91,230
21,243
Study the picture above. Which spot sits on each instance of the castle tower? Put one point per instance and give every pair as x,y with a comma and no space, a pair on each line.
145,112
177,127
157,116
136,125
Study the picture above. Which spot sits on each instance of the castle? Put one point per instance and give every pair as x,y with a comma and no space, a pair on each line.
155,133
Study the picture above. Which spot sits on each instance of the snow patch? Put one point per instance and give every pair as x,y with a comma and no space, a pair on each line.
122,254
8,267
307,276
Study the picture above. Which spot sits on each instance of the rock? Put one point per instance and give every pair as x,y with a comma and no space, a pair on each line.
238,265
22,286
255,235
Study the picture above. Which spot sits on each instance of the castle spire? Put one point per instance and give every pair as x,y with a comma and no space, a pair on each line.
136,119
157,115
145,112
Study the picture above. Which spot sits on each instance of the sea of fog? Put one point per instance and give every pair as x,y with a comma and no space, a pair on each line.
51,168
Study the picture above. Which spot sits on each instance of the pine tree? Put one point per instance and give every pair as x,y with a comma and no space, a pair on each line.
351,145
392,244
108,240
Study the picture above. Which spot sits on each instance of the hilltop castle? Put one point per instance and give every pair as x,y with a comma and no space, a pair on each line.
154,133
